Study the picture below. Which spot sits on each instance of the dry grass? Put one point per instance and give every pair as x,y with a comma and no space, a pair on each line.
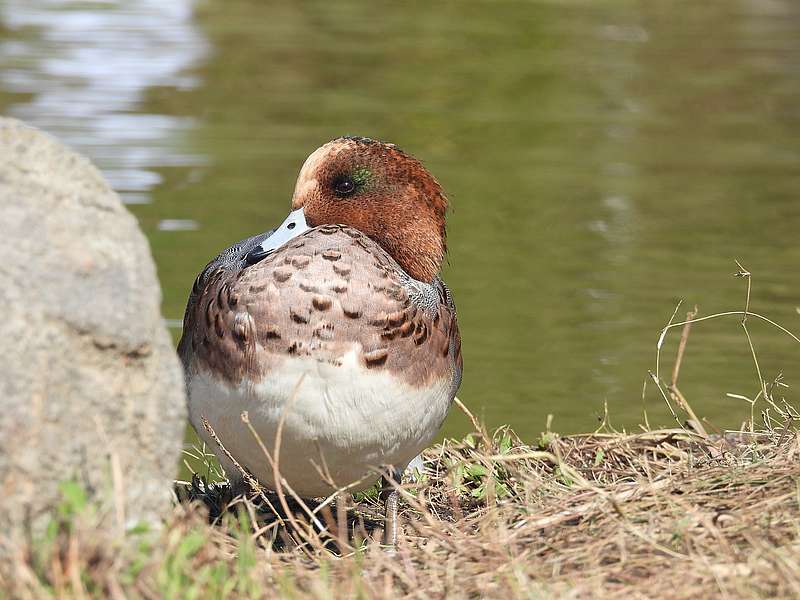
657,513
669,513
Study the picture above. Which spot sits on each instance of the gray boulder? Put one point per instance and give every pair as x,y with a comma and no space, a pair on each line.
91,389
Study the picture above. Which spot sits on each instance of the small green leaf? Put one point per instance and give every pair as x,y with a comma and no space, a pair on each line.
546,439
476,471
599,455
501,490
479,492
563,477
190,545
139,529
73,498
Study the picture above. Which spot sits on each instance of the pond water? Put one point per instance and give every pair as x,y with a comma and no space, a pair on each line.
604,159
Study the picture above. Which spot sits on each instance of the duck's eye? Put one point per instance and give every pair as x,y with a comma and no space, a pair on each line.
344,186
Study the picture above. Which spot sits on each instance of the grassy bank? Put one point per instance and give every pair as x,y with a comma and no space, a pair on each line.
666,513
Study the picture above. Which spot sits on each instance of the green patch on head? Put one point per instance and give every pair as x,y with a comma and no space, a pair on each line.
361,176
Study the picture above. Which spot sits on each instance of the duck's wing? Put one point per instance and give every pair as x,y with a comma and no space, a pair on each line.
230,260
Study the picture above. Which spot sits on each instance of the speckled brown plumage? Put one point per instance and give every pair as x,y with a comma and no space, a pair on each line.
329,291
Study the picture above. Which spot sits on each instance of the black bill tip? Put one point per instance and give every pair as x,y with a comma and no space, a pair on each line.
255,255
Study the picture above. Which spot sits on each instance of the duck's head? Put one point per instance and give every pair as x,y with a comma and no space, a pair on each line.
379,190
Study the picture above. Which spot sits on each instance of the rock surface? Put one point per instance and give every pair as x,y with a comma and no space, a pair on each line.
90,386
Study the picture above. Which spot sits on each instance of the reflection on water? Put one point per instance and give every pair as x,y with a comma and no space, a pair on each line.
83,69
603,160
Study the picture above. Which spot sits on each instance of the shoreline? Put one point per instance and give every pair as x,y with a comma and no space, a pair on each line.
667,512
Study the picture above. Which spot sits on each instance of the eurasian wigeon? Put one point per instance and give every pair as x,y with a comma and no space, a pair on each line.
336,320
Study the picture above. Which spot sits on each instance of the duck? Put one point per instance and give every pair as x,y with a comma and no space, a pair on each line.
335,327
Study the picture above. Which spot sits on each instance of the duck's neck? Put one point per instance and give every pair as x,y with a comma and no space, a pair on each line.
417,246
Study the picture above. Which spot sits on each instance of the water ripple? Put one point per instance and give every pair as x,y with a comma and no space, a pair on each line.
85,68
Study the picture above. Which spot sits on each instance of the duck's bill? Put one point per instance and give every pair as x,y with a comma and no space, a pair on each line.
294,225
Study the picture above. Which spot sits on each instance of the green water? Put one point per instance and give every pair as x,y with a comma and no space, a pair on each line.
603,159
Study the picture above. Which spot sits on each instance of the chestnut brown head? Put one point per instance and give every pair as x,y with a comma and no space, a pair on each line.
379,190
